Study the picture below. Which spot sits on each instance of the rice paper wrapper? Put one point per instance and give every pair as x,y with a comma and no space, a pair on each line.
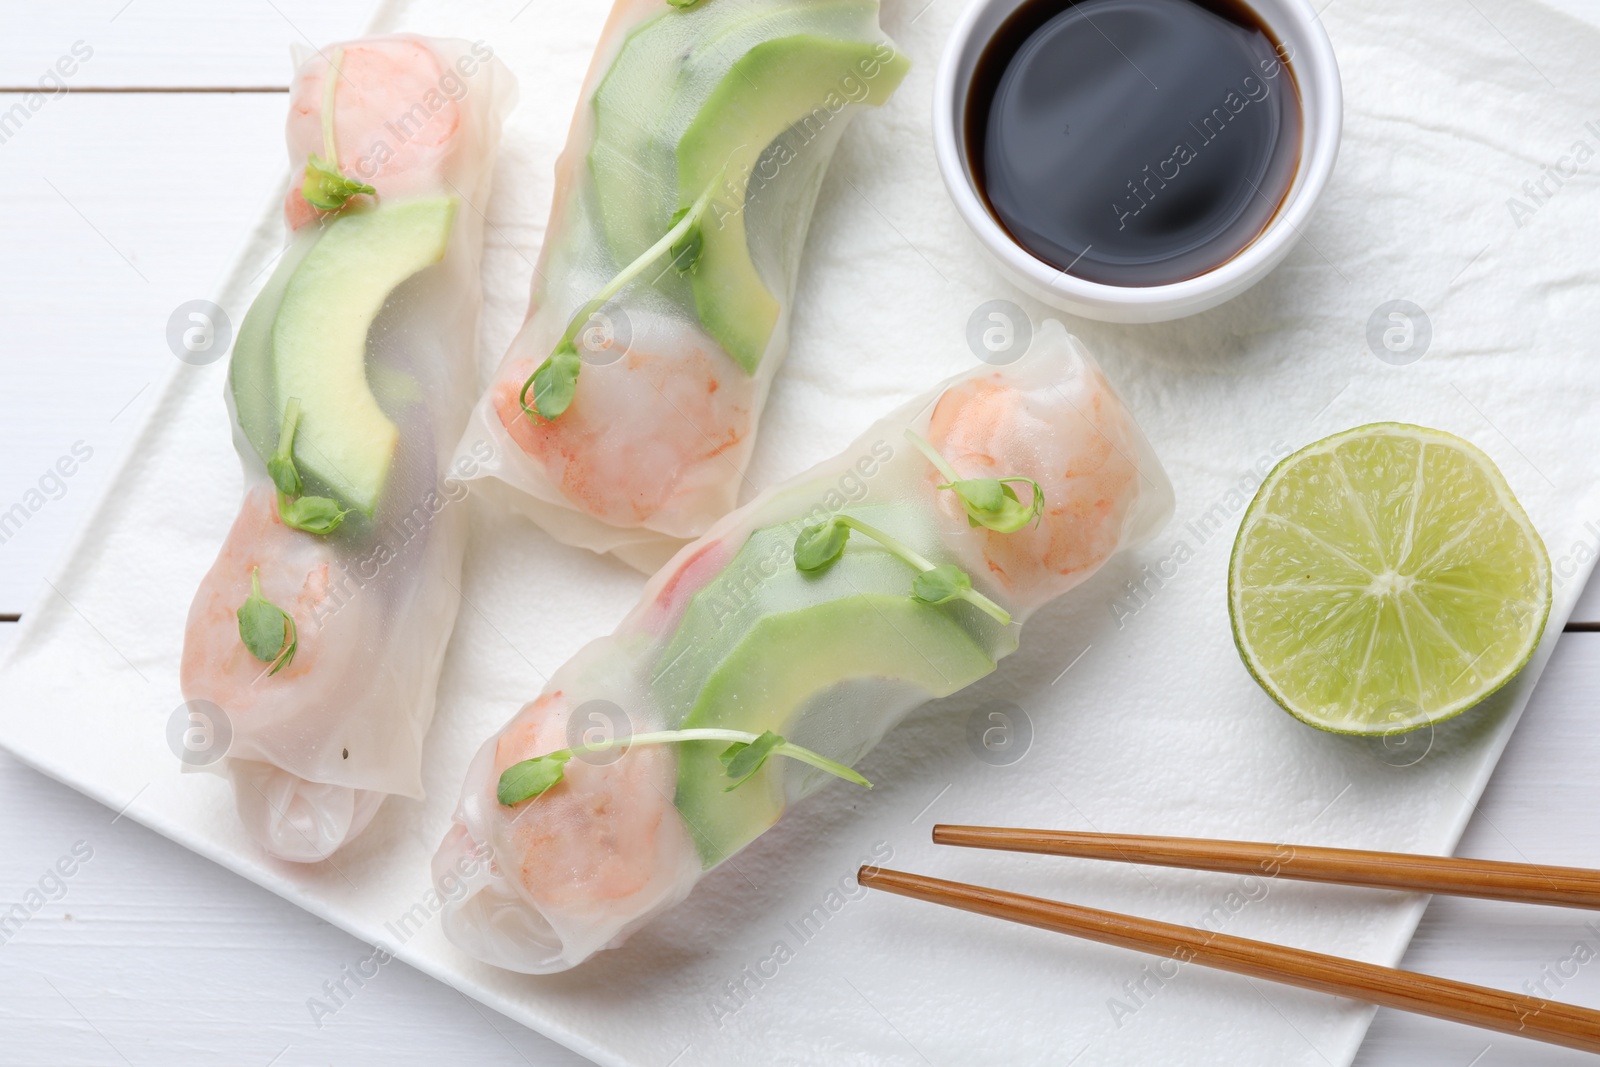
732,634
314,743
676,367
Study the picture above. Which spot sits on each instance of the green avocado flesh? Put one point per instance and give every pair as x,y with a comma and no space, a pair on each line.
663,74
250,374
795,80
696,97
783,664
306,337
740,662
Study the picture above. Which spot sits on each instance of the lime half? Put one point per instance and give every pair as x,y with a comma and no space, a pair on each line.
1385,578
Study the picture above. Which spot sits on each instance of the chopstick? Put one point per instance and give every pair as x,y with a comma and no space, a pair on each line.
1441,998
1528,883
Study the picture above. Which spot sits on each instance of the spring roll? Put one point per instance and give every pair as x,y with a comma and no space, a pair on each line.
314,642
622,417
776,651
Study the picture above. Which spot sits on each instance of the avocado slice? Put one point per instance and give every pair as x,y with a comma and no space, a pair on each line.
796,81
763,646
319,340
250,375
792,663
661,78
699,96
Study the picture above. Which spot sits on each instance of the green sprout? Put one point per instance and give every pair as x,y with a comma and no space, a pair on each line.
820,545
313,514
746,755
266,629
555,381
324,186
990,502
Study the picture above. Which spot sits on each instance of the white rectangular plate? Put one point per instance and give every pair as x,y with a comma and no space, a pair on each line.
1141,717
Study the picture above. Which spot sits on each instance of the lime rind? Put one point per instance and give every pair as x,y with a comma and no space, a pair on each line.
1385,578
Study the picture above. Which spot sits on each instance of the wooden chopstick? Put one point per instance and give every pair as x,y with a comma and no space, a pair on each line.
1441,998
1529,883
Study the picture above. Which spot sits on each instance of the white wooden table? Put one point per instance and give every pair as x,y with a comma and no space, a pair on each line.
125,197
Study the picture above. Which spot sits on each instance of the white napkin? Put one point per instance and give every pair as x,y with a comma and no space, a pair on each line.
1155,727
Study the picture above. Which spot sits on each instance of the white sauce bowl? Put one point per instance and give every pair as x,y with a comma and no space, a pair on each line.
1310,56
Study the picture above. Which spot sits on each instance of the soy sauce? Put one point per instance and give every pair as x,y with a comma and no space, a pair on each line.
1134,142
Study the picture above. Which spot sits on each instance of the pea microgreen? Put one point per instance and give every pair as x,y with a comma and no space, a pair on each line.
531,777
324,186
818,546
941,585
742,760
268,632
990,502
686,251
313,514
554,382
745,755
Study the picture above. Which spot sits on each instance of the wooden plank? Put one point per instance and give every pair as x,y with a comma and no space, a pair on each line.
1535,809
172,185
1587,614
119,208
169,43
226,969
148,953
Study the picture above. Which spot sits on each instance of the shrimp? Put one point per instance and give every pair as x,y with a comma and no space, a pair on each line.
294,818
579,867
652,448
395,120
320,738
669,592
1082,451
646,438
604,836
295,570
